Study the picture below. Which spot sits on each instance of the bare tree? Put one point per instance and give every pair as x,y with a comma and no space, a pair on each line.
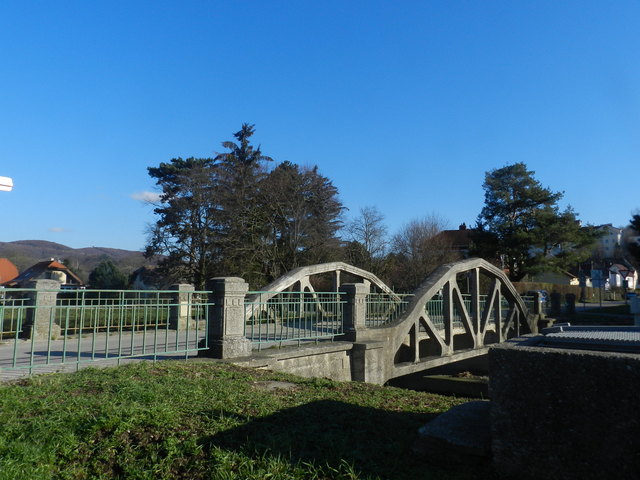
418,249
368,235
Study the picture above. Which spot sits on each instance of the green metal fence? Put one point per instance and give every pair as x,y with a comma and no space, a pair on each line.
277,318
385,308
88,325
435,311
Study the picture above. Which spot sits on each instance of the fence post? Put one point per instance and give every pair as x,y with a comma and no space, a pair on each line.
571,303
634,306
41,301
180,310
537,304
226,318
556,303
355,307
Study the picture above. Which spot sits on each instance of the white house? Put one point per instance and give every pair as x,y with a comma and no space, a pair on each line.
610,241
618,273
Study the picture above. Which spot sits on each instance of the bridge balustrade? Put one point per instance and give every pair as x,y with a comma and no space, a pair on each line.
278,318
43,328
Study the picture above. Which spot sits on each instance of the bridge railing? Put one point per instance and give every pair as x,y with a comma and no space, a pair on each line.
293,317
45,328
383,309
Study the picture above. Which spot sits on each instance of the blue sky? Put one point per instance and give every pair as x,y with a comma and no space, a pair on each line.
404,105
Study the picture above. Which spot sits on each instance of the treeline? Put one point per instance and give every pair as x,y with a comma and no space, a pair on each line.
242,214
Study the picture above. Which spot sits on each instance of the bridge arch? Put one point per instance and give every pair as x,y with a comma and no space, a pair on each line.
445,321
302,276
440,322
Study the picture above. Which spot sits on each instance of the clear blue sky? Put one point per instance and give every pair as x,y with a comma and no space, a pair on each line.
404,105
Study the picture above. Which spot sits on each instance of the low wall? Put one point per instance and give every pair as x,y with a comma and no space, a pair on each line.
559,413
340,361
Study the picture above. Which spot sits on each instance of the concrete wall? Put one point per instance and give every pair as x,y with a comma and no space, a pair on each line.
560,413
341,361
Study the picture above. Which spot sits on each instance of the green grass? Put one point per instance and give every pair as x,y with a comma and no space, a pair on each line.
212,421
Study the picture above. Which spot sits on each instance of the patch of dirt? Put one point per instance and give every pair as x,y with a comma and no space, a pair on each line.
274,385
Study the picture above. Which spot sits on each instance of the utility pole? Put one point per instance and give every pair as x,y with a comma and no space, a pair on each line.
6,184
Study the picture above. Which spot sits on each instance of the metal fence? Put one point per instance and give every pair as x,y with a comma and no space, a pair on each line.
88,325
384,308
277,318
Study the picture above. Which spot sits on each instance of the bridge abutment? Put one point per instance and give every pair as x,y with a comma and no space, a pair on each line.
368,362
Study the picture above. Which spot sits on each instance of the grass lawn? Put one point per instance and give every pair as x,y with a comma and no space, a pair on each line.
206,420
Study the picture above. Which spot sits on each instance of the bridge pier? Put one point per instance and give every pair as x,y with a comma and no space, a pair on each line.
367,362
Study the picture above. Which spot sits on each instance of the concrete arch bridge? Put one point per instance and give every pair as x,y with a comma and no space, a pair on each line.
377,335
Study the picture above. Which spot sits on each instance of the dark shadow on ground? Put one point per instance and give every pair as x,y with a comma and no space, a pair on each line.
375,442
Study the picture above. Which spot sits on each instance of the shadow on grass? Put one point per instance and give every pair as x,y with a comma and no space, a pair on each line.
375,442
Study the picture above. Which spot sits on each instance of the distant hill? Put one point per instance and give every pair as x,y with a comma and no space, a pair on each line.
82,261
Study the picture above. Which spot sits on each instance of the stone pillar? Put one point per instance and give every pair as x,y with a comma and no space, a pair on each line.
355,308
226,318
40,322
537,304
180,310
556,303
570,298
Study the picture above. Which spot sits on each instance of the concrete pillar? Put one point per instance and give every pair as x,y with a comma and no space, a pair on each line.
355,308
181,305
556,303
40,322
570,298
226,318
368,363
538,309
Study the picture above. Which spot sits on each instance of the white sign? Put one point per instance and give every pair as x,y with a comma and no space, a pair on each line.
6,184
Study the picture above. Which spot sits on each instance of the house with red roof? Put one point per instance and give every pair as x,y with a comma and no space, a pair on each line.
8,271
48,270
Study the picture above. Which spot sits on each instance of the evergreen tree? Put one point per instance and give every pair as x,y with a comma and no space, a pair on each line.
242,226
187,232
302,214
230,216
522,227
632,241
106,276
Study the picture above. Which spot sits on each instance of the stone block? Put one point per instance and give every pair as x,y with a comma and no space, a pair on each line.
566,414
